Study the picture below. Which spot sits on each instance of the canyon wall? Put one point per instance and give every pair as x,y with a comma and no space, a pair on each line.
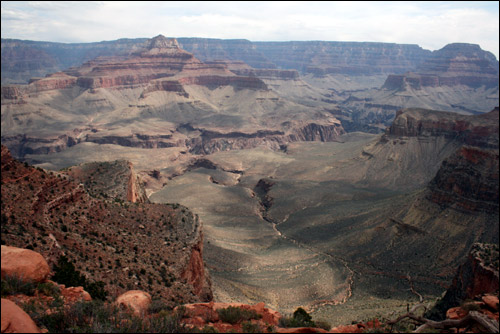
22,60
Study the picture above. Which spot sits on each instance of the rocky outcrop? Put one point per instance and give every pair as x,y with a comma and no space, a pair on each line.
114,179
318,132
195,274
455,64
211,141
56,216
477,276
203,314
468,180
480,131
136,301
24,263
51,82
15,320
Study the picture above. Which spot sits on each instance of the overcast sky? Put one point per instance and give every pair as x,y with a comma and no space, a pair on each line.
431,25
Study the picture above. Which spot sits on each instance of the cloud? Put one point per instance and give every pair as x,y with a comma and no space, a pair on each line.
431,25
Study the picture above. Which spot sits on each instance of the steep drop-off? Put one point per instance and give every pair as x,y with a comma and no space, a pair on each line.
125,245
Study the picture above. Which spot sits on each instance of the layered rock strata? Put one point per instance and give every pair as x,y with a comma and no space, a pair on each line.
164,97
414,147
455,64
468,180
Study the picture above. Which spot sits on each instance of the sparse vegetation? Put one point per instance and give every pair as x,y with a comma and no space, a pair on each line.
12,285
65,273
300,318
99,317
234,315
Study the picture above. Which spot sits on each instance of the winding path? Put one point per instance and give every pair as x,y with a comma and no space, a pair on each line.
332,259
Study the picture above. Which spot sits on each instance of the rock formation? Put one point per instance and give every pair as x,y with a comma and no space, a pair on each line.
468,180
455,64
104,238
116,180
164,97
459,77
24,264
413,148
136,301
15,320
477,276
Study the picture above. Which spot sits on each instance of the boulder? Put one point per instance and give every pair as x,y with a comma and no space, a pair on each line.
136,301
74,294
491,301
14,319
24,263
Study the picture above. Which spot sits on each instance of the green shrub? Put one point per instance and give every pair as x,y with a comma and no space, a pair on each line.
65,273
470,306
249,327
49,289
234,315
157,305
300,318
12,285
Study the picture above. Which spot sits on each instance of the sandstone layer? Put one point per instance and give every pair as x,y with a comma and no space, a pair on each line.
164,97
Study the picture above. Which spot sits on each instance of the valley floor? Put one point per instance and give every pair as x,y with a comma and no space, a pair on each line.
294,228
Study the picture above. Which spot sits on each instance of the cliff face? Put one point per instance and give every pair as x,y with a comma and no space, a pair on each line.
476,276
414,147
164,97
22,60
126,246
351,58
210,141
480,131
454,65
468,180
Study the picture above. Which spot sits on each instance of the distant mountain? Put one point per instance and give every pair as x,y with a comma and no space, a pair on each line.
22,60
460,78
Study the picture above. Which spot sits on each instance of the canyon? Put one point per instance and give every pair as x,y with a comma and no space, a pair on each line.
350,179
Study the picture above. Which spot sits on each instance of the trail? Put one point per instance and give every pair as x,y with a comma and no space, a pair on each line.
264,208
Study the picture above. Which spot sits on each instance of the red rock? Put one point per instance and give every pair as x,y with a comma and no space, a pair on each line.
15,320
491,301
456,313
302,330
135,300
347,329
205,314
24,263
194,273
74,294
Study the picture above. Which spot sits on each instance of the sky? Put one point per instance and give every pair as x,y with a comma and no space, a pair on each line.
430,24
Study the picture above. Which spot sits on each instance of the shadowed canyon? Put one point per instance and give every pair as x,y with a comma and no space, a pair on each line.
350,179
